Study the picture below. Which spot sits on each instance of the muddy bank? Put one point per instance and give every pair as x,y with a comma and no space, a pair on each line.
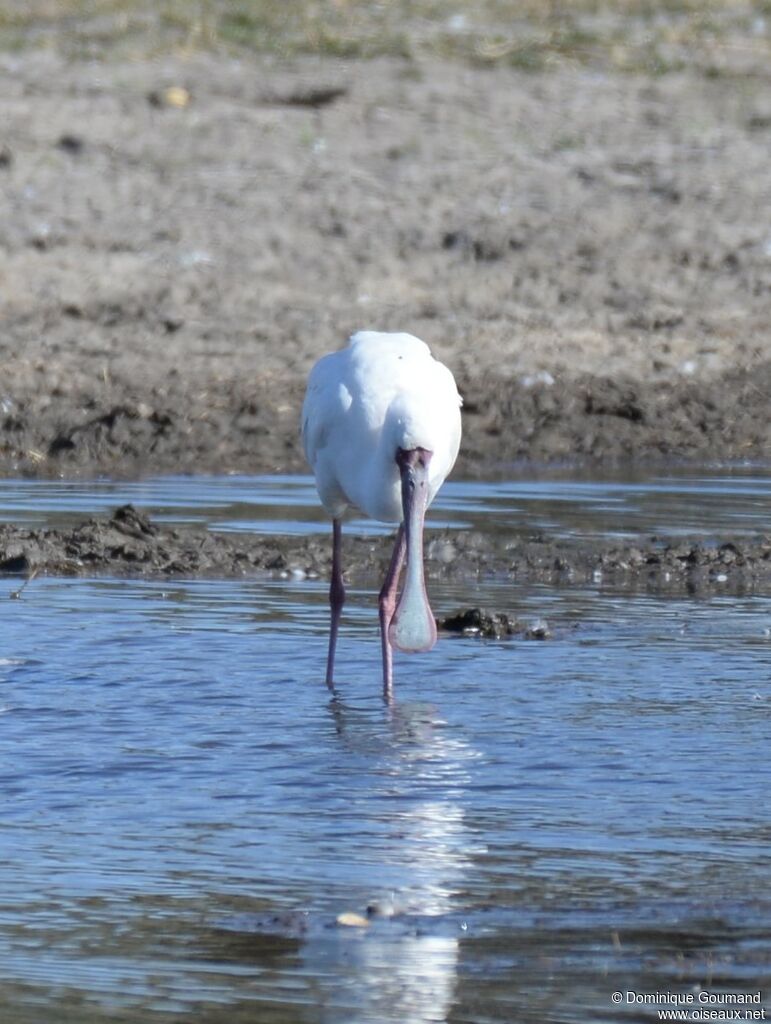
584,250
253,428
130,543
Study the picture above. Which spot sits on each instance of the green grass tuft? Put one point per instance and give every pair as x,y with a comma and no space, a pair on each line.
651,37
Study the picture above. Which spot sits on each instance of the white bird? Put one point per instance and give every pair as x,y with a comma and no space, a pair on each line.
381,431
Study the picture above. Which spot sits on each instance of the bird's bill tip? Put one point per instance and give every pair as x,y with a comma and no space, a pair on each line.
413,630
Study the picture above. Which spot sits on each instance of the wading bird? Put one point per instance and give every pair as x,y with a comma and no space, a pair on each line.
381,431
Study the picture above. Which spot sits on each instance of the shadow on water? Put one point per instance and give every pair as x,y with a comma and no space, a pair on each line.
192,829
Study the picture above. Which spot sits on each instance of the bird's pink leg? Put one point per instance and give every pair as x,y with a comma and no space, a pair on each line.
336,596
387,606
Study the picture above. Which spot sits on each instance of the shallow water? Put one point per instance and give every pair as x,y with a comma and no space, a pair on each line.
733,499
187,811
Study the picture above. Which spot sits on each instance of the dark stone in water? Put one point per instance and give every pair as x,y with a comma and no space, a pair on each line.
493,625
15,564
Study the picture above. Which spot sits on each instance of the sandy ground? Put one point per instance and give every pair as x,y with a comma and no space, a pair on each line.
590,253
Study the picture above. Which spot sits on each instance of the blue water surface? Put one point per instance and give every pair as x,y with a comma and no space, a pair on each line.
194,828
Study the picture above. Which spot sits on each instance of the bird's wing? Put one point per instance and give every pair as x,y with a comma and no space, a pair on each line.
326,399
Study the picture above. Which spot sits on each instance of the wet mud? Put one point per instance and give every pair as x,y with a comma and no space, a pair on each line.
130,543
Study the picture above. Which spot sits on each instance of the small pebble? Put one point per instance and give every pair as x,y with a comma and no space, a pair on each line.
69,143
349,919
530,380
172,96
538,630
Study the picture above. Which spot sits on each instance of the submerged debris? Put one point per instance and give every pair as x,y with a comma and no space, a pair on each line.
477,622
493,625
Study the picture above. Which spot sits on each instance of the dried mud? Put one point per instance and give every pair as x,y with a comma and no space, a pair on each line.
585,250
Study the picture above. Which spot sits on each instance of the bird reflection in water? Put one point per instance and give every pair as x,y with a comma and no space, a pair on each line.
402,965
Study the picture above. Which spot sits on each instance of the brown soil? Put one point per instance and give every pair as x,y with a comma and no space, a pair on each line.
587,251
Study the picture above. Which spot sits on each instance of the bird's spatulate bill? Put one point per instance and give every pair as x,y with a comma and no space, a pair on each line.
413,627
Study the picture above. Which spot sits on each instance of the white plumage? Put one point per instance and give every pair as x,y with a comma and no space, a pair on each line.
370,409
382,392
